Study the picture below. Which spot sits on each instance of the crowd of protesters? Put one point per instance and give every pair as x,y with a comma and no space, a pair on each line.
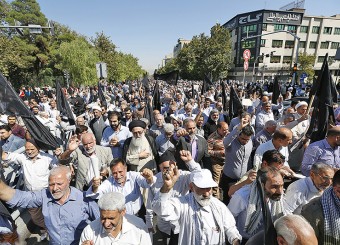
186,167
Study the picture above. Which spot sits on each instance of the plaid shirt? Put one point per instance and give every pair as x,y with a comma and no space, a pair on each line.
216,147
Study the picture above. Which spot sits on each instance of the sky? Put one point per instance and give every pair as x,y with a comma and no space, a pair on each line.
149,29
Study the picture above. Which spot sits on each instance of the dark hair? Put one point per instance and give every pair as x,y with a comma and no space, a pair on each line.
247,130
273,156
116,114
333,132
103,106
336,178
81,128
6,127
12,115
127,109
263,173
116,161
279,135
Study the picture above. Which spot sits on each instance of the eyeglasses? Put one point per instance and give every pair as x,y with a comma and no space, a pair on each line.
325,178
138,132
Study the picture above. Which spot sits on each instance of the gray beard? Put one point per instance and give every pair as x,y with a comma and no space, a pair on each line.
137,142
201,201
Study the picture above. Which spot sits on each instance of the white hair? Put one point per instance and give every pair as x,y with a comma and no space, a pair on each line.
270,123
59,170
168,127
112,201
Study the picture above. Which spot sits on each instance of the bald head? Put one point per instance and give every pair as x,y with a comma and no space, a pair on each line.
87,137
283,137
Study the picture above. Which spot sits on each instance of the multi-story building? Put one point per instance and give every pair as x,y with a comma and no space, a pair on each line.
318,35
180,44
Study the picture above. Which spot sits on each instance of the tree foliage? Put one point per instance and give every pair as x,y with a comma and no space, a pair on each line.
306,64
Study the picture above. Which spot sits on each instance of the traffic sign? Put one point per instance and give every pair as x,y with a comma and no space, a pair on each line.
246,54
246,65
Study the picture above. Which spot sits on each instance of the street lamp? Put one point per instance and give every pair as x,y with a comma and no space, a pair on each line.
297,48
33,29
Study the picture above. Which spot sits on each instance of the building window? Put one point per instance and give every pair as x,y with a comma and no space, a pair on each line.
304,29
275,59
324,45
251,28
287,59
263,42
336,31
289,44
327,30
291,29
278,27
248,44
316,29
264,27
277,43
312,45
302,44
320,59
335,45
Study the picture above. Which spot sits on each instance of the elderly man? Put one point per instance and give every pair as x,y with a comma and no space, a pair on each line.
303,190
202,219
140,149
114,224
158,127
97,124
188,113
326,151
217,153
115,135
66,211
263,116
128,183
8,141
166,141
245,204
84,156
323,214
265,134
211,124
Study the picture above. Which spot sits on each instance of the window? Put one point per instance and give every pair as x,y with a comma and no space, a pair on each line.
275,59
327,30
263,42
289,44
287,59
312,45
304,29
336,31
278,27
331,60
320,59
248,44
247,29
335,45
291,29
316,29
277,44
324,45
302,44
264,27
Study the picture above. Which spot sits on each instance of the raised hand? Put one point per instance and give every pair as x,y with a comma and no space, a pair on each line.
148,175
185,155
73,143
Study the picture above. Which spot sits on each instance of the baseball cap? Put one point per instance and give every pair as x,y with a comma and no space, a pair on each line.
202,178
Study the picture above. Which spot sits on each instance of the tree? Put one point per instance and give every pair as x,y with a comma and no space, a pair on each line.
306,64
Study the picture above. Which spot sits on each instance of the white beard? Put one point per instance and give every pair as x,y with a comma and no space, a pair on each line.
201,200
137,142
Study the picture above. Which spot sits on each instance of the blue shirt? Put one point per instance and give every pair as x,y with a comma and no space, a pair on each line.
122,134
12,144
163,143
64,223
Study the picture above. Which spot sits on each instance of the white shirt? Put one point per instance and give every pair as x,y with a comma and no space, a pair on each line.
131,190
134,232
298,194
266,147
179,209
35,172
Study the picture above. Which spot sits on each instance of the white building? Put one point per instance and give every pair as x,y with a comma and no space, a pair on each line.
318,35
178,47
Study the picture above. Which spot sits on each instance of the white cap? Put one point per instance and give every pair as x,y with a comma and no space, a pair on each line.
202,178
290,88
265,93
96,107
174,117
300,104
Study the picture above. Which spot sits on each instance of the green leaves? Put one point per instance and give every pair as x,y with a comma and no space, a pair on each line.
306,64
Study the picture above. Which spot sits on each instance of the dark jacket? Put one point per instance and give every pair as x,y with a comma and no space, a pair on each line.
209,127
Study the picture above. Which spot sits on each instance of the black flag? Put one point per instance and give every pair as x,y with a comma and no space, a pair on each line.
157,98
171,77
145,83
234,103
224,96
62,104
276,90
206,84
10,103
325,95
101,96
148,112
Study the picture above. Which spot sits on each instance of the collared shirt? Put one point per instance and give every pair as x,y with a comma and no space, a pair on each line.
12,143
266,147
133,231
261,137
65,222
261,118
131,190
163,143
320,151
180,209
122,134
35,172
157,130
237,155
181,188
18,131
216,147
298,194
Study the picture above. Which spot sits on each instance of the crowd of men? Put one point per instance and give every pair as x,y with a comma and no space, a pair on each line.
189,170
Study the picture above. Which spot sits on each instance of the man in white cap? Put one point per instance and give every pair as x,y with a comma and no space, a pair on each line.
97,124
203,219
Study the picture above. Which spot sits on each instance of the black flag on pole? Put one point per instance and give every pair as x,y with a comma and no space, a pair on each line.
171,77
276,90
145,83
10,103
224,96
148,112
101,96
325,96
206,84
234,103
156,98
62,104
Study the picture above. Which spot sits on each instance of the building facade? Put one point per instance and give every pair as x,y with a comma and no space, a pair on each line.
275,53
